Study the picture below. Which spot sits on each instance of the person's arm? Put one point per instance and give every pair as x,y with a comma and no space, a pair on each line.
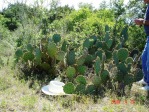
141,22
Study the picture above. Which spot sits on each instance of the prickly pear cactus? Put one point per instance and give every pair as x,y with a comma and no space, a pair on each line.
129,60
138,75
97,66
128,79
38,53
99,53
105,76
60,55
122,54
52,49
70,72
64,46
122,68
96,81
80,60
30,47
71,57
86,43
19,53
81,79
115,57
56,38
69,88
90,89
80,89
81,69
28,56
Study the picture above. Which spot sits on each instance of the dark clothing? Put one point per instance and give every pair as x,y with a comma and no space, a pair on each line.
146,27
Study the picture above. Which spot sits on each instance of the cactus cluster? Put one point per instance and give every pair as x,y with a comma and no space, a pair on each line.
73,60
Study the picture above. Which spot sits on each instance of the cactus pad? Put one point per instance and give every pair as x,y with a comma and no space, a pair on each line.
19,53
60,55
104,76
56,38
129,60
52,49
69,88
81,69
80,88
86,43
122,54
81,79
28,56
70,72
96,81
30,47
97,66
71,57
80,60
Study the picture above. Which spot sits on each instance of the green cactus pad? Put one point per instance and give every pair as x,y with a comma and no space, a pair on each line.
69,88
119,77
38,53
52,49
109,43
45,66
108,54
19,53
138,75
64,46
90,89
99,53
28,56
60,55
122,68
80,60
97,66
56,38
107,37
81,69
115,57
98,44
89,59
30,47
81,79
122,54
129,60
80,89
107,28
128,79
104,76
86,43
96,81
124,33
70,72
71,57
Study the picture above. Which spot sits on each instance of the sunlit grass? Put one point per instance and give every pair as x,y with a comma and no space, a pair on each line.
15,95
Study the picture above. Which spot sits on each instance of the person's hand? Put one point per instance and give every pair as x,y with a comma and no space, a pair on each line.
139,21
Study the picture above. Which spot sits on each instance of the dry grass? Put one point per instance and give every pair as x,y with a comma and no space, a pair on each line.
16,96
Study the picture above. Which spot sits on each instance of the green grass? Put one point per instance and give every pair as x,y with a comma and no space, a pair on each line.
16,96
